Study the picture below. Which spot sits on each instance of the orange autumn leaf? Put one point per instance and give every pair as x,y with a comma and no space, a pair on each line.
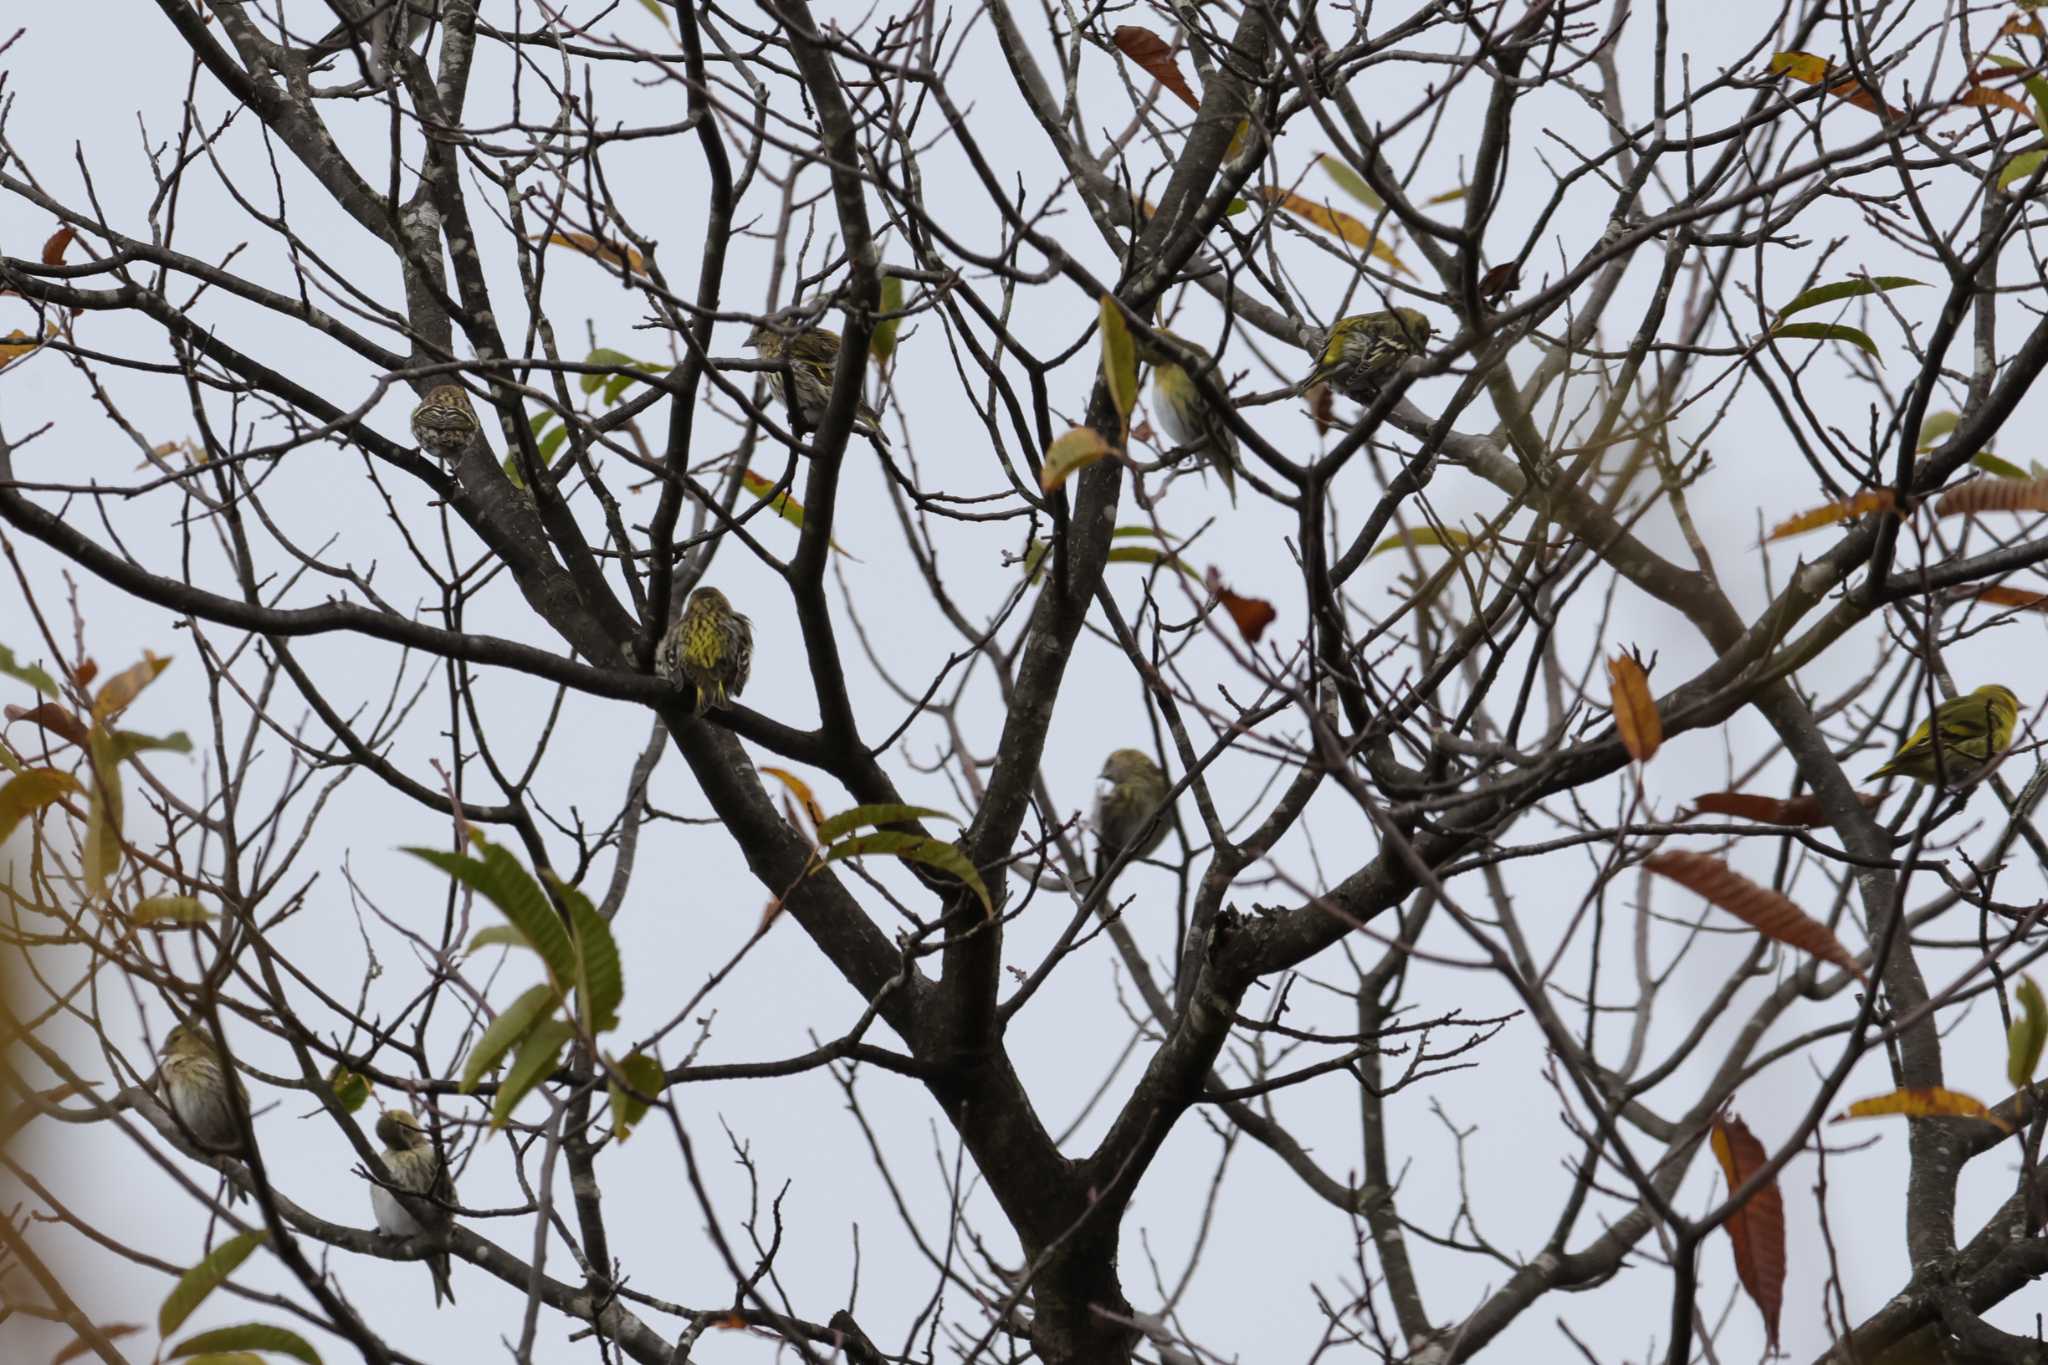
2012,597
53,249
801,790
1757,1229
614,254
17,344
1977,94
1809,69
1250,614
1994,495
1322,407
1768,912
1336,223
1150,51
1797,812
1864,503
1920,1103
1635,711
54,717
2022,23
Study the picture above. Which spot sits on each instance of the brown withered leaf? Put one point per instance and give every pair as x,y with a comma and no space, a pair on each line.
1334,222
1757,1229
1151,52
1635,711
1251,614
1322,408
53,249
82,676
1864,503
1979,94
1814,70
802,790
1501,281
2022,23
611,253
2012,597
1762,909
1794,812
54,717
1923,1102
1994,495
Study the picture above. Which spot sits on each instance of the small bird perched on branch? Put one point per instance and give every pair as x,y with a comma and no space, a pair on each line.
1961,741
1365,350
444,421
381,29
415,1169
1191,419
194,1083
1130,808
811,353
709,648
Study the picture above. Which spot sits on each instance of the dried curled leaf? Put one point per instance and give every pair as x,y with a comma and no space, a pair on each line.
1762,909
2018,598
1863,504
1994,495
1250,614
1923,1102
1809,69
802,791
1795,812
1757,1229
1151,52
1635,711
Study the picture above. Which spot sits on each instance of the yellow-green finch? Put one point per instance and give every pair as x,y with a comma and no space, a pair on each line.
194,1082
812,353
1189,418
1365,350
416,1170
1961,741
1130,815
710,648
444,421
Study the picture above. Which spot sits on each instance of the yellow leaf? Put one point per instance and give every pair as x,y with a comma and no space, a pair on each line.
802,790
1635,712
1337,224
1864,503
610,253
1119,360
124,687
1077,449
1923,1102
1450,538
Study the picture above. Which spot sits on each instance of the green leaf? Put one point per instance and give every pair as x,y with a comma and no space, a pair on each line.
169,910
102,852
1235,207
350,1091
250,1336
1826,331
497,936
654,8
127,744
507,1031
1842,289
1145,554
882,345
605,355
192,1288
1991,464
1034,560
23,796
643,1075
499,878
28,673
537,1057
600,986
884,813
229,1358
2037,90
1450,538
1076,450
1119,360
547,445
2021,167
1351,182
510,467
1937,425
2029,1035
917,848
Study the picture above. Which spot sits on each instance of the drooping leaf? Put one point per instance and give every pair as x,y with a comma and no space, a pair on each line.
53,716
1937,425
1339,225
2028,1035
654,8
350,1090
1797,812
1768,912
1979,93
498,877
1322,408
802,791
2020,168
1844,289
1756,1230
195,1284
103,850
2035,85
497,936
784,506
1119,359
882,344
1862,504
1809,69
54,245
28,793
163,912
1920,1103
1151,52
1449,538
1351,182
1994,495
1635,711
917,848
1827,331
600,980
1251,615
538,1055
121,690
1991,464
507,1031
1076,450
250,1336
28,673
881,813
643,1074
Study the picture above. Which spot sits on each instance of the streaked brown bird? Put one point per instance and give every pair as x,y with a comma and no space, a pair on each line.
1189,418
812,353
1130,808
416,1170
194,1083
1365,350
444,422
710,648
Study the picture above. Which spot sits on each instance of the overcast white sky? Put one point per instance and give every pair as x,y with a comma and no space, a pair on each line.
95,85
